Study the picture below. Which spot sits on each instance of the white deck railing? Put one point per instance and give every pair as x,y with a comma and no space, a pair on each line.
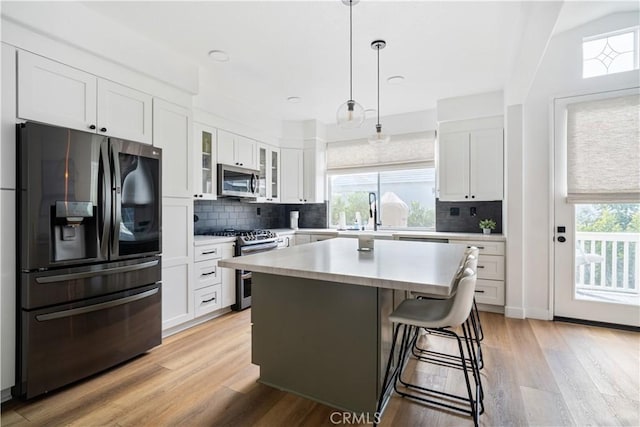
618,269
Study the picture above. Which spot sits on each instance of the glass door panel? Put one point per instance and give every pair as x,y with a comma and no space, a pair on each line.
275,175
262,174
137,208
207,162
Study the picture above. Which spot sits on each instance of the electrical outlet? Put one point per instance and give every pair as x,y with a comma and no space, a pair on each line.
258,211
473,211
454,211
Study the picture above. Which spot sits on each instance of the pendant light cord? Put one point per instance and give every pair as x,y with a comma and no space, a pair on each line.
350,50
378,84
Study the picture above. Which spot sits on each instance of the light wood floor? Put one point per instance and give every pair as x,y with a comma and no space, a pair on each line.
537,373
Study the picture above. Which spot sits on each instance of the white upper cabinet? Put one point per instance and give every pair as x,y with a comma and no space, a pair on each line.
172,133
453,166
314,174
470,165
124,112
268,173
236,150
486,164
53,93
292,175
205,170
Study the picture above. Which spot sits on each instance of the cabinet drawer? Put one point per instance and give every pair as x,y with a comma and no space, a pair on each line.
486,248
491,267
206,273
202,253
207,300
490,292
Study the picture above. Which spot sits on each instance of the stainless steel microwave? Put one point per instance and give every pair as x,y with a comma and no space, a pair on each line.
237,182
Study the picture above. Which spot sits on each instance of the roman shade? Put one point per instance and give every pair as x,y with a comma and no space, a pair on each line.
403,150
603,150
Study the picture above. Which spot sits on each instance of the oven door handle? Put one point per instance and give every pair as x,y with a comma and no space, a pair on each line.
246,250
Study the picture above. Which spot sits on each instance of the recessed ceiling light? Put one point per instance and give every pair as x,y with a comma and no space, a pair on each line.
219,55
395,80
293,99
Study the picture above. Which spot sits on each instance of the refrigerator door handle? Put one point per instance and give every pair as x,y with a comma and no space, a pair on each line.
106,197
86,274
117,199
96,307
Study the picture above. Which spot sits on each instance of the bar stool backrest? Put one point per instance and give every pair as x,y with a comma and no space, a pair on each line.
462,300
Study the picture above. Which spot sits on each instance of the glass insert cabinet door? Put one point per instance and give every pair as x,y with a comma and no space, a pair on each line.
268,173
275,175
205,174
262,172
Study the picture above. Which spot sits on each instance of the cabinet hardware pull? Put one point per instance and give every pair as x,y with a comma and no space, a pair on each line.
208,274
479,291
103,129
92,127
210,252
480,266
466,197
479,247
208,300
473,197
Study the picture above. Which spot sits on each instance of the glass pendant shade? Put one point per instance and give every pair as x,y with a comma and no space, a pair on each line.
379,137
350,115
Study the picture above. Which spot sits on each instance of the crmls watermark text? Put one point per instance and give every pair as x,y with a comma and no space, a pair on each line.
353,418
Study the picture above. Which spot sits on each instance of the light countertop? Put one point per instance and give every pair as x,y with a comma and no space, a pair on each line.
403,265
199,240
410,234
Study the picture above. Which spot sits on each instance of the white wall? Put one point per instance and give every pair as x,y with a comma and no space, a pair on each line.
559,74
470,106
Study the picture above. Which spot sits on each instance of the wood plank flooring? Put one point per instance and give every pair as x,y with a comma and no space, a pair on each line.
536,373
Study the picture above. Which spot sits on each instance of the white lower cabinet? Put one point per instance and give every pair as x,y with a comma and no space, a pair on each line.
207,300
301,239
491,265
8,287
214,286
177,261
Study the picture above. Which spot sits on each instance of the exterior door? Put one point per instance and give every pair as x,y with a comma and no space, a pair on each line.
596,243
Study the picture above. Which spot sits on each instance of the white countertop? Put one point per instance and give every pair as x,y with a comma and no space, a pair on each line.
407,233
403,265
199,240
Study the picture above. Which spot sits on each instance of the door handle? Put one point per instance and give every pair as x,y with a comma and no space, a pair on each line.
562,239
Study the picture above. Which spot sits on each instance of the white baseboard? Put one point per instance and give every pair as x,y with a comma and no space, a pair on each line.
5,395
184,326
514,312
538,313
491,308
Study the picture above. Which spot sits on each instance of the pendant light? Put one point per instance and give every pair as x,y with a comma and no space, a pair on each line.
378,137
350,114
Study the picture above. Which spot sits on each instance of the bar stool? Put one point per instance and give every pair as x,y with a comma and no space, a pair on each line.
470,260
438,317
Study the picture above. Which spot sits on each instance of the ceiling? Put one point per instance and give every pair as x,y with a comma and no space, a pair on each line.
301,48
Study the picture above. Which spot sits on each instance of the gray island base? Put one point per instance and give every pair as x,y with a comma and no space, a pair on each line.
320,313
322,340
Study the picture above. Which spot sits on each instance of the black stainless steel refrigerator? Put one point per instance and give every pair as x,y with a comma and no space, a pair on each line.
88,254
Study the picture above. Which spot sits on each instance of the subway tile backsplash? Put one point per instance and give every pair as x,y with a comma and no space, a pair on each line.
463,217
228,213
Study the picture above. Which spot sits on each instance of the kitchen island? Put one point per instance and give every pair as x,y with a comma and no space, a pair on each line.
320,312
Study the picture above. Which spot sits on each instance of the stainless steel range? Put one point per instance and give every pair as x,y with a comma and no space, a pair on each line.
248,242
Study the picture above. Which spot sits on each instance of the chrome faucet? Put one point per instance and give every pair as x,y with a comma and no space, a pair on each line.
373,210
